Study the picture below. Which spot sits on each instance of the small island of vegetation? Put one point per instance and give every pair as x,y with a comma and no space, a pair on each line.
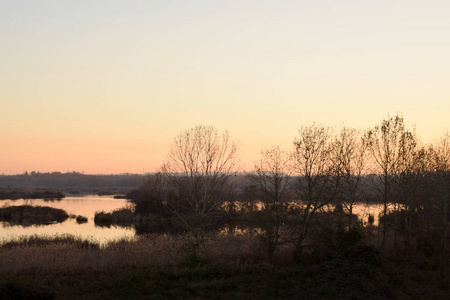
32,215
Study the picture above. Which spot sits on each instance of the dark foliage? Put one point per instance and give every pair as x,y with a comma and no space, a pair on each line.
13,290
29,215
81,219
122,217
150,197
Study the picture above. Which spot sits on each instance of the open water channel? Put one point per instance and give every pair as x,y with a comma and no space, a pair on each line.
84,205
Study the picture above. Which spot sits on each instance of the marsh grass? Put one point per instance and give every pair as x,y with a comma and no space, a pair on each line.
70,254
234,267
335,278
45,241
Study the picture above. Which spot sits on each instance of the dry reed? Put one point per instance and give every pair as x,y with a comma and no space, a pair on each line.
71,255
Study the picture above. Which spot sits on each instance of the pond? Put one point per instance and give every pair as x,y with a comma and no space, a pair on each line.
83,205
88,205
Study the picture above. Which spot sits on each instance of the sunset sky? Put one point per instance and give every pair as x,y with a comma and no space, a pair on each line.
104,86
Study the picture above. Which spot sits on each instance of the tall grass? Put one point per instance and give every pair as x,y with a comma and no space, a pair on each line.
45,241
69,254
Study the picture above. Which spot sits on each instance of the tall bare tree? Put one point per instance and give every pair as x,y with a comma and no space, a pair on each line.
317,179
440,156
270,185
385,146
196,174
350,153
412,166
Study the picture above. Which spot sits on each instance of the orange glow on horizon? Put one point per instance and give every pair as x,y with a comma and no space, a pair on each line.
79,92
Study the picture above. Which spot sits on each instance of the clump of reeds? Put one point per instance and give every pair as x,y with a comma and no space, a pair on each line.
45,194
103,217
32,214
122,216
81,219
45,241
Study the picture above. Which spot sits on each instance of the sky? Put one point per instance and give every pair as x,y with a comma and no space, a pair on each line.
103,87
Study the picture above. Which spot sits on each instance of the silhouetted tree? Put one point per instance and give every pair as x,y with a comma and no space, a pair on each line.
410,173
385,142
440,164
196,176
270,184
350,153
318,177
150,197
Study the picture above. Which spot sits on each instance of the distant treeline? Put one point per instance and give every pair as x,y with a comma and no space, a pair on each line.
14,194
71,181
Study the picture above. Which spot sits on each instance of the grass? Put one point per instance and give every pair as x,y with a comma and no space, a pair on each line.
335,278
207,282
69,254
43,241
233,267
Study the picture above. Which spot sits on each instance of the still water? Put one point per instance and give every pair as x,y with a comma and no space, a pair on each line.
85,206
88,205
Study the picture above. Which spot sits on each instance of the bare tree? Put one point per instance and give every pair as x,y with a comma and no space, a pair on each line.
385,146
351,154
440,164
196,175
270,184
317,179
411,168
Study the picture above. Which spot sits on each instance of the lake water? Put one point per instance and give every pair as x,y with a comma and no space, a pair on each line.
85,206
88,205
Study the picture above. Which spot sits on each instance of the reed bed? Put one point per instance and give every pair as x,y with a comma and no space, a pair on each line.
44,241
27,214
71,255
124,216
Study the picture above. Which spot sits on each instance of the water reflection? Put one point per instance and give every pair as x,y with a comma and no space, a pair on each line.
85,206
